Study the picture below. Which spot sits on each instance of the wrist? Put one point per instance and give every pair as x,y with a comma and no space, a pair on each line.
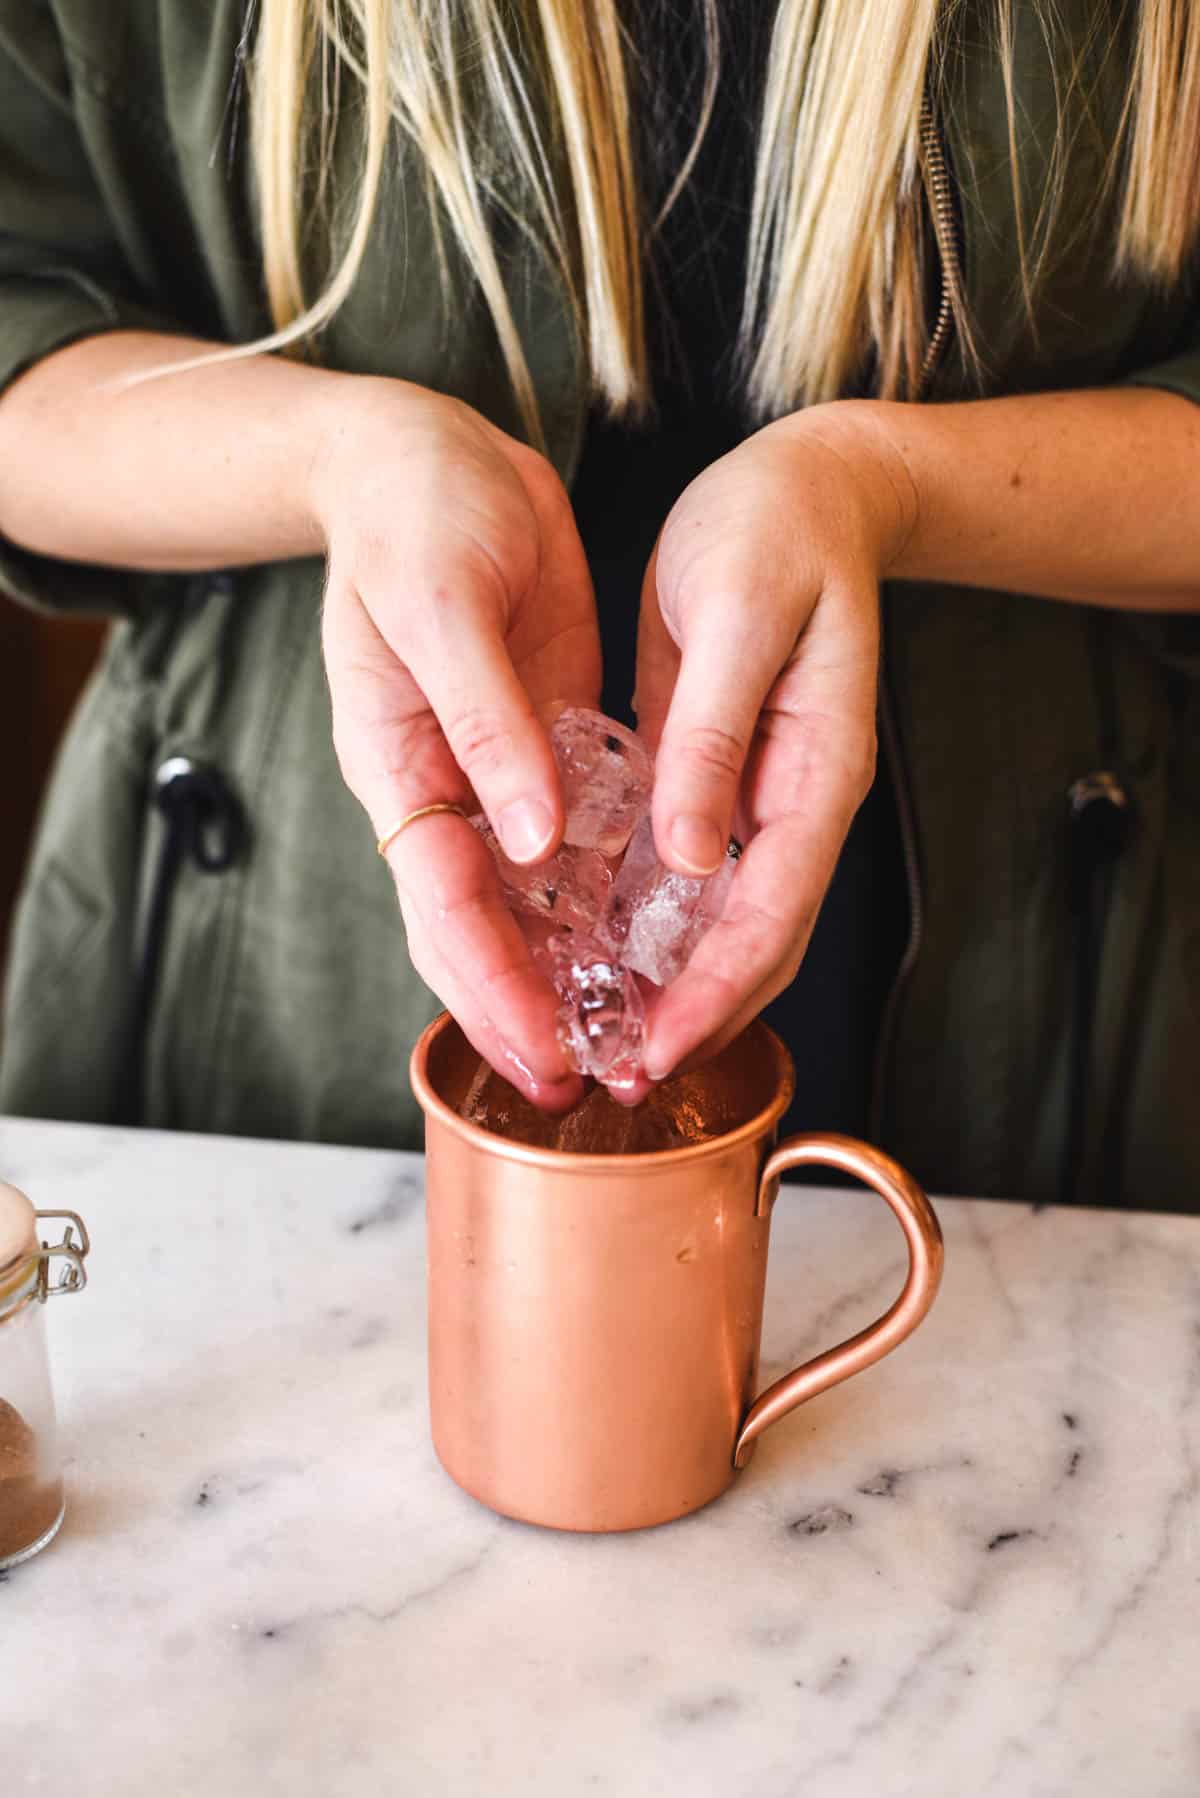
362,431
867,437
333,435
358,425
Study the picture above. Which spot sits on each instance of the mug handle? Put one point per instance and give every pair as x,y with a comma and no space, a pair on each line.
925,1255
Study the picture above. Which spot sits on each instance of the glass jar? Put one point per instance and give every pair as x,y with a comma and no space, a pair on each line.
31,1271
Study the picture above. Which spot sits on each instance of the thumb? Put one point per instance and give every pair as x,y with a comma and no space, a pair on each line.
497,740
726,665
445,641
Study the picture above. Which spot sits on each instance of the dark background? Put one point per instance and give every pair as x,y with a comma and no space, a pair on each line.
44,662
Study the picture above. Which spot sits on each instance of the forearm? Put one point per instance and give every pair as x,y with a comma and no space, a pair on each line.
208,468
1087,496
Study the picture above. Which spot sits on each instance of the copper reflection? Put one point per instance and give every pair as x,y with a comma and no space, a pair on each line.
594,1320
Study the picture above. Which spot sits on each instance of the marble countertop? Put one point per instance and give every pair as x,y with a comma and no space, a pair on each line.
974,1570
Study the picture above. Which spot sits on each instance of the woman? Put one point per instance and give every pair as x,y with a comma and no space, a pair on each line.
449,211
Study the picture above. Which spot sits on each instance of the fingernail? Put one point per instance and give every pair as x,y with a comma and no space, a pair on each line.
697,841
526,827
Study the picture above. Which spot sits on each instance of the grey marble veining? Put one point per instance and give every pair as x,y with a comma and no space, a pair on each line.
973,1571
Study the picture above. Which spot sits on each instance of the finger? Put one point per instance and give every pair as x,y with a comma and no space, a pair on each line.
390,747
462,936
809,771
555,641
456,666
467,945
729,661
461,663
776,983
633,1093
759,934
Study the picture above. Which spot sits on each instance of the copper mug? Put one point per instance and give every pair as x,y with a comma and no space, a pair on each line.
594,1320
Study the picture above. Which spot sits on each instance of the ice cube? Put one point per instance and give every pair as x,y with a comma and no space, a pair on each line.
571,887
654,917
607,776
601,1015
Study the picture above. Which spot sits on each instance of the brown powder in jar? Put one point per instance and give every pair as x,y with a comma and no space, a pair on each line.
28,1504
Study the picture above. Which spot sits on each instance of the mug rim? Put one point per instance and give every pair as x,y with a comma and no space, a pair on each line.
648,1161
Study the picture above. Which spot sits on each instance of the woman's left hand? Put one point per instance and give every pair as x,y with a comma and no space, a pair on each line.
757,670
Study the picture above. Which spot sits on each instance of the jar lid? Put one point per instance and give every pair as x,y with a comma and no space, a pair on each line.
19,1246
18,1227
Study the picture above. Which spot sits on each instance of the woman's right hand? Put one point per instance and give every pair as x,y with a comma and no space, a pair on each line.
457,604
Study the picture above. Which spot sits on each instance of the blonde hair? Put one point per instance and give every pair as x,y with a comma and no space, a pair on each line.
554,95
522,108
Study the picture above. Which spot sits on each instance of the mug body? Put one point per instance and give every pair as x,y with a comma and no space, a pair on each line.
594,1320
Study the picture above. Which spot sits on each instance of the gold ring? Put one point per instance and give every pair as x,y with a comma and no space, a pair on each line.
423,811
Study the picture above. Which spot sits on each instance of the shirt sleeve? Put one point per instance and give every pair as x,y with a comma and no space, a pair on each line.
1180,371
1173,637
62,274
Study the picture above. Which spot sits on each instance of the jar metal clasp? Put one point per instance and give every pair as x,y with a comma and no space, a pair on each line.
71,1274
